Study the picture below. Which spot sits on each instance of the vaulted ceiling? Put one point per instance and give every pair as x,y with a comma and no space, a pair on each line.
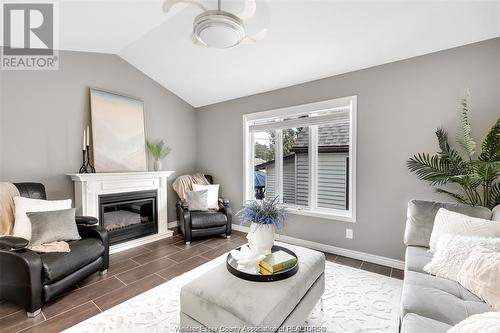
306,40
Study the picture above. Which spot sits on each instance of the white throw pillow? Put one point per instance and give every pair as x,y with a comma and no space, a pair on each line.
488,322
496,213
452,251
480,274
22,224
213,194
447,222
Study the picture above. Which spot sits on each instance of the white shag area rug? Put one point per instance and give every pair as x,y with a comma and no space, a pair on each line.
354,301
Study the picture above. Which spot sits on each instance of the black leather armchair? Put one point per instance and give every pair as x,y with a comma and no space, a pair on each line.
30,279
195,224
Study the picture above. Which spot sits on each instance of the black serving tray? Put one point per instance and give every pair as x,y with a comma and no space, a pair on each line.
231,265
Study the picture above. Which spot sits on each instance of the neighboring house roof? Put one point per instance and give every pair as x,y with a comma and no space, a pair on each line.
258,161
329,135
332,138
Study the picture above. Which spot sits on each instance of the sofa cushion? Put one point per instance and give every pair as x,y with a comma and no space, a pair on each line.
58,265
430,281
416,258
413,323
439,299
201,220
421,214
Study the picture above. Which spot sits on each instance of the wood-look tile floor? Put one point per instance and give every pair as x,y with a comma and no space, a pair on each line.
133,272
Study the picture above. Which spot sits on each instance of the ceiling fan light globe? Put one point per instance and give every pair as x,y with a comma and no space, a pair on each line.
219,29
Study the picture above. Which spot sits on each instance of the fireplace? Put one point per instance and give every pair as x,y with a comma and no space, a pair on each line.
95,189
128,215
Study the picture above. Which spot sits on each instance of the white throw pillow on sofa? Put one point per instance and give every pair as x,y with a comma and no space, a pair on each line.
447,222
488,322
213,194
480,274
22,205
452,251
496,213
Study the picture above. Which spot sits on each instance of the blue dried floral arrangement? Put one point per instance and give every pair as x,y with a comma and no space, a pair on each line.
264,212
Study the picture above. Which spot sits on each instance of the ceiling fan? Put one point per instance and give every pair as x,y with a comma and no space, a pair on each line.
221,29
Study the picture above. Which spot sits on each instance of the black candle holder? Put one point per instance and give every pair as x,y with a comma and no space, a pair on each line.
86,167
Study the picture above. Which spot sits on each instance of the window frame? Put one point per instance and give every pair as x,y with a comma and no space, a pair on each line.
312,210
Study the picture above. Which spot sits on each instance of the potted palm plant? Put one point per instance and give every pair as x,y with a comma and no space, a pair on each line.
476,178
159,151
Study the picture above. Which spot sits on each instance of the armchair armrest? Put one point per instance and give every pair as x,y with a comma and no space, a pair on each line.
225,207
184,219
22,281
86,220
99,232
13,243
182,204
223,201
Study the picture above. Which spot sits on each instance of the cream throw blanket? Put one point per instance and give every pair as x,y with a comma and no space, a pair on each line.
7,193
184,184
51,247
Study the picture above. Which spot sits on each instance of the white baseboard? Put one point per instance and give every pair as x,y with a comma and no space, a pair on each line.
140,241
334,249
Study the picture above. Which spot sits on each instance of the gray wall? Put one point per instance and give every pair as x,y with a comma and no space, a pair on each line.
43,114
399,107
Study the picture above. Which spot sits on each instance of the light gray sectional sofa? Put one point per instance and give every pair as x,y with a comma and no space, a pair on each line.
429,303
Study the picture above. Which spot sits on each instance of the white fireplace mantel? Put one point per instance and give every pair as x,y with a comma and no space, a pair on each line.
88,187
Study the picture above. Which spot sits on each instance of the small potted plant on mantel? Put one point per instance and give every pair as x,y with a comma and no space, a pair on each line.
159,151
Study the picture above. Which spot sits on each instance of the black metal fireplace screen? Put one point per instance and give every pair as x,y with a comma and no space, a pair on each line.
128,215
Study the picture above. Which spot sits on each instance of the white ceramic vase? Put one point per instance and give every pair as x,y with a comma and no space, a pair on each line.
261,238
157,165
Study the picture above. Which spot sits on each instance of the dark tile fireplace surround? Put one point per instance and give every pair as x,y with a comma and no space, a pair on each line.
128,215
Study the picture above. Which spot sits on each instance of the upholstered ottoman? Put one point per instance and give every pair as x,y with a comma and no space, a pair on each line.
218,298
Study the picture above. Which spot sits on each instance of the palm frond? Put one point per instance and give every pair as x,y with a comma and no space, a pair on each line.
433,169
495,195
456,196
451,157
490,149
478,179
464,136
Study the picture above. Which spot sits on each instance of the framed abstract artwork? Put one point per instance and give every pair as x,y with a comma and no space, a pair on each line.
119,143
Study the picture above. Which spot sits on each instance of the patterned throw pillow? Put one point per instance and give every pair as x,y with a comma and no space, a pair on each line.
488,322
480,274
452,251
447,222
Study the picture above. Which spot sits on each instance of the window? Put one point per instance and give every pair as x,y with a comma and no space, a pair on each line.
305,156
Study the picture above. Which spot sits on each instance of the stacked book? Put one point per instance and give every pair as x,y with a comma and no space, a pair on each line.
276,262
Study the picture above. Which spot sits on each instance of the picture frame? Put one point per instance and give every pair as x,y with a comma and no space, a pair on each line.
118,132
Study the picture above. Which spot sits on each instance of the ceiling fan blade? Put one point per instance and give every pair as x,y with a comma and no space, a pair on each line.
249,10
254,38
168,4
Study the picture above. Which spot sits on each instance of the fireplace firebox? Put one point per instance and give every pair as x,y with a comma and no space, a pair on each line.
128,215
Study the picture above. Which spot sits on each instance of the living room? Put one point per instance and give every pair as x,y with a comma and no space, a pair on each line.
205,165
